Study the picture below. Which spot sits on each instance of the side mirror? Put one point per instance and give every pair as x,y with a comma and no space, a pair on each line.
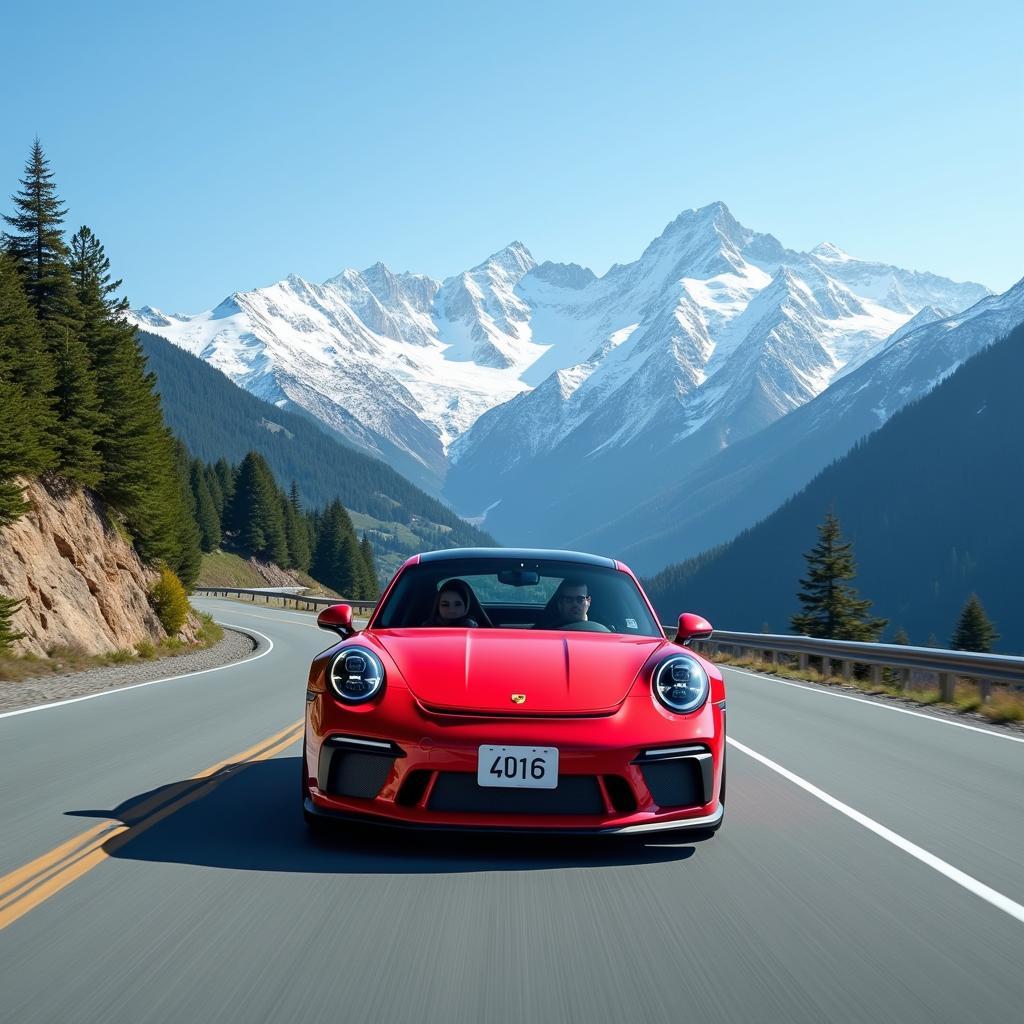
692,627
337,617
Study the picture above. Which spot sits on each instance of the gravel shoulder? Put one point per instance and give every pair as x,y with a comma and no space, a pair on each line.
25,693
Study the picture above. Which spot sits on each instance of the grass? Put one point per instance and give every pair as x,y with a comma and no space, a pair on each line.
62,659
225,569
1005,705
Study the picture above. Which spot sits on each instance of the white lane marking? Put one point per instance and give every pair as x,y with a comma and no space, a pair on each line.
985,892
310,625
242,609
152,682
275,618
877,704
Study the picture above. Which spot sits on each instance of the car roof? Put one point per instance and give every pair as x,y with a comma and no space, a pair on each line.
525,554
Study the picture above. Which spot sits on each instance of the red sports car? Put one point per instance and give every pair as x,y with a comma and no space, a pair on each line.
504,689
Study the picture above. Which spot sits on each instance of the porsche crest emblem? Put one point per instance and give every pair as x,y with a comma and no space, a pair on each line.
518,698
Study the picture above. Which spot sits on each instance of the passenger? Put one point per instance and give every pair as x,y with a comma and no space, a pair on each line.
451,606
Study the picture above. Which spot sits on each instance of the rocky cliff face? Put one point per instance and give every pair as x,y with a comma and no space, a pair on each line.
82,582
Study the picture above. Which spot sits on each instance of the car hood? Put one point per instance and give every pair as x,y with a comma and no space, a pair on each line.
480,670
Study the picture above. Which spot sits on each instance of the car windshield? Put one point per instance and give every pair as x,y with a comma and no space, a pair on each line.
510,593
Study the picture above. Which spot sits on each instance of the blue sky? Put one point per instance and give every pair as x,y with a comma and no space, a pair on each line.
216,147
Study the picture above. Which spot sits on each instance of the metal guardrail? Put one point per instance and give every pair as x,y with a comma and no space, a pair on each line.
985,669
307,603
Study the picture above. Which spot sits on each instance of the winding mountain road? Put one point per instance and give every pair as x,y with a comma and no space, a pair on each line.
154,867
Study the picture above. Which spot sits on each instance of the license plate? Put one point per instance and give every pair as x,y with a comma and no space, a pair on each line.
518,767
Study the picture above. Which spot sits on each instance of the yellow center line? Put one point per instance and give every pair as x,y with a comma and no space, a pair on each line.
27,887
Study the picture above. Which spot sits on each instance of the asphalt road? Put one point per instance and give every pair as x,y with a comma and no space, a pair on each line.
870,868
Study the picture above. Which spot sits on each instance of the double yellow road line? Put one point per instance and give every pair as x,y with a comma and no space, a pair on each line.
27,887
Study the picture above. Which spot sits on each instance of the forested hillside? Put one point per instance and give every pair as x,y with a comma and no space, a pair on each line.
933,502
81,409
75,397
216,419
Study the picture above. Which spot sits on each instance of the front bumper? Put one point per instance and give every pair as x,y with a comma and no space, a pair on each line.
398,764
709,822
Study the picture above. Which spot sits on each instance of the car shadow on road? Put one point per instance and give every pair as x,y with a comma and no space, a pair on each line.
251,820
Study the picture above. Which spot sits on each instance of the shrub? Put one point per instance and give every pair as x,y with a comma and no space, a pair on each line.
169,601
8,606
146,649
209,632
1004,707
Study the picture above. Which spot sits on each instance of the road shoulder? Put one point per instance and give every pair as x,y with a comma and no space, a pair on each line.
18,694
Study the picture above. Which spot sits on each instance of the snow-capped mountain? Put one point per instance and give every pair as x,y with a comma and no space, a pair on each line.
713,334
398,364
744,483
513,378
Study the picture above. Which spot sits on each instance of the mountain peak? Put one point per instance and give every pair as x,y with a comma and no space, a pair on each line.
152,316
515,258
830,251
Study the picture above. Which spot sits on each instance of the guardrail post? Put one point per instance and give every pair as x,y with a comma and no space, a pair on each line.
985,689
826,667
804,662
876,675
947,681
847,669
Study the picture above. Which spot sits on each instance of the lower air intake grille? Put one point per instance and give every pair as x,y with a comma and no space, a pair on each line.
459,792
353,773
674,783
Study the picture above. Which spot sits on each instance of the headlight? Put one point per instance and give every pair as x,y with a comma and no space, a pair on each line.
356,675
681,684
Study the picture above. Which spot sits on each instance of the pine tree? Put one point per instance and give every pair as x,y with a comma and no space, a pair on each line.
8,635
79,413
296,537
39,256
366,550
26,364
132,415
351,573
901,637
337,561
256,513
186,557
213,485
206,511
293,497
831,608
974,630
226,478
15,420
36,243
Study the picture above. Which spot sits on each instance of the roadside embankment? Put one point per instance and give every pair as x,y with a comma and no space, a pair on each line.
24,693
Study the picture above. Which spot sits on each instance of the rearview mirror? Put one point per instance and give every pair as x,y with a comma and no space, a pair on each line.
519,577
693,627
338,618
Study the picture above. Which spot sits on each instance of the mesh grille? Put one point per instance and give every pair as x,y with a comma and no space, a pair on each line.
459,792
674,783
353,773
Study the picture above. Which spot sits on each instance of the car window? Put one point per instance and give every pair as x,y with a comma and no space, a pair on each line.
513,594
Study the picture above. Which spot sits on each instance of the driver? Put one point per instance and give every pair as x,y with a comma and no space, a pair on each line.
572,602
